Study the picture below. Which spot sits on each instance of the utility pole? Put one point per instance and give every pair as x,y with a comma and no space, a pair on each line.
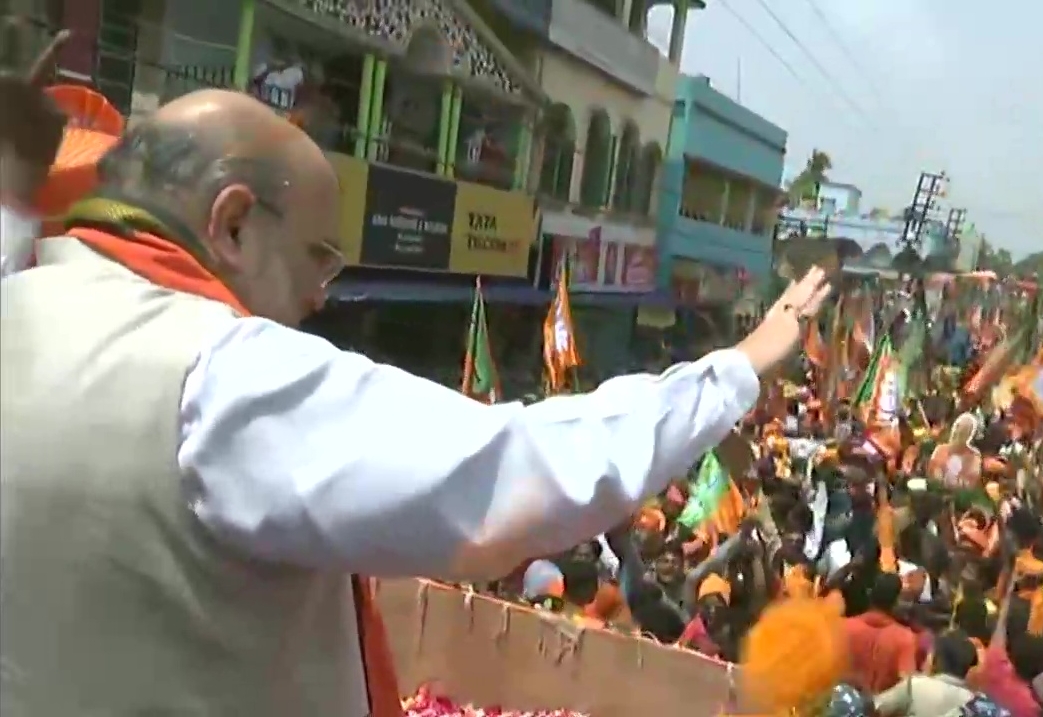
919,215
954,227
923,209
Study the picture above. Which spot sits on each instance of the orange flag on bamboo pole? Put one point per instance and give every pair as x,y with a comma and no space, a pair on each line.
560,354
863,332
834,377
815,346
998,363
1026,408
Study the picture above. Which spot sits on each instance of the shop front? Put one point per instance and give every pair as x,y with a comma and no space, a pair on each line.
413,245
395,222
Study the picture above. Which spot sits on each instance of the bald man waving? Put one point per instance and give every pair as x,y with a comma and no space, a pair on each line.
191,486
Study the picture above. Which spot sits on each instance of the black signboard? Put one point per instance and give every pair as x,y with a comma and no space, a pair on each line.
408,220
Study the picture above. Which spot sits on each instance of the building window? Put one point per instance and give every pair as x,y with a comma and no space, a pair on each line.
597,160
647,174
629,156
489,130
765,212
559,151
736,213
702,193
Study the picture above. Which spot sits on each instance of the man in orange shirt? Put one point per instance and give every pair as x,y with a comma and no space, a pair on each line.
882,650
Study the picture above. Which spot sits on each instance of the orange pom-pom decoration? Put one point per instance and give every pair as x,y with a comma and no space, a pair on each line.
94,127
793,655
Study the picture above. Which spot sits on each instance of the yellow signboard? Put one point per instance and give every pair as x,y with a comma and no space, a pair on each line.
352,174
492,231
398,218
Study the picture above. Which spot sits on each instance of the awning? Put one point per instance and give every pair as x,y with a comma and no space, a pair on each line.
357,290
625,299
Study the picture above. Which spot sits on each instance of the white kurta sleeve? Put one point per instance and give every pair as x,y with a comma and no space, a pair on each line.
295,451
17,232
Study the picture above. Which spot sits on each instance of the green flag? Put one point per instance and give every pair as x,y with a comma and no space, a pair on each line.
480,381
912,358
705,493
915,340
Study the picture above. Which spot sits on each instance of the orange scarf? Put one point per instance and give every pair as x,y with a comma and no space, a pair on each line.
166,264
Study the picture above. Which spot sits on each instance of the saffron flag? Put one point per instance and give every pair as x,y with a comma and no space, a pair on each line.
815,348
879,398
1027,407
559,337
863,331
999,361
480,380
880,393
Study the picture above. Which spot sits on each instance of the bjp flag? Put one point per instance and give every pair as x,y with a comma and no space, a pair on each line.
560,354
1026,408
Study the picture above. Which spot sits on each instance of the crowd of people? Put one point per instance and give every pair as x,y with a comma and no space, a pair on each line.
932,553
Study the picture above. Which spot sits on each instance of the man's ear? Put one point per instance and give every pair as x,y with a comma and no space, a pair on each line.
228,214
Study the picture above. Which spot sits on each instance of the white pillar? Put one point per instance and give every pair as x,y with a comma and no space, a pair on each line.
724,201
751,207
624,10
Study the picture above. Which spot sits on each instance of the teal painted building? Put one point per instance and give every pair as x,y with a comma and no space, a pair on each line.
719,192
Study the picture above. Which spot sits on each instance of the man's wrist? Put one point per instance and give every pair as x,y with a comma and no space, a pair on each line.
771,342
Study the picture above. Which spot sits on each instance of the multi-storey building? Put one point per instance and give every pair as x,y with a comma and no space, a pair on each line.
456,126
720,196
612,95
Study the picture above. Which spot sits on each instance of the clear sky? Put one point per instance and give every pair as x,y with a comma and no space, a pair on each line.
892,87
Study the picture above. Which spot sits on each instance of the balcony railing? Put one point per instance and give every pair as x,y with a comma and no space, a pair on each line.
601,40
139,66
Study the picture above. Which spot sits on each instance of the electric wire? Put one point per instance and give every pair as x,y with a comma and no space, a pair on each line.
845,49
764,43
836,86
774,53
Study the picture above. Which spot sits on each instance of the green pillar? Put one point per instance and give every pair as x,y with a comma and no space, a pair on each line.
376,108
454,130
521,160
445,122
247,13
362,126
